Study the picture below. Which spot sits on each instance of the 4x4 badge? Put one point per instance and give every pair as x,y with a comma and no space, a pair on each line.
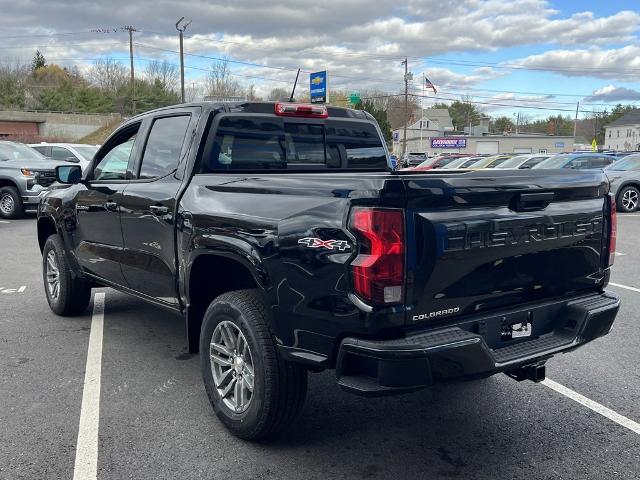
330,244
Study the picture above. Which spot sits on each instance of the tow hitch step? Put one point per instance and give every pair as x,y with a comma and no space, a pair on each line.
535,372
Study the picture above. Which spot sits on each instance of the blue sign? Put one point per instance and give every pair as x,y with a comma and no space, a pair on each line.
447,142
318,87
559,144
396,136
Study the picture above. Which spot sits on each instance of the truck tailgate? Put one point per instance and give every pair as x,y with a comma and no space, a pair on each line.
487,239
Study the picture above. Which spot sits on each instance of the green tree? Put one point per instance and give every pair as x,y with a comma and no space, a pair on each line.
379,114
502,124
463,114
38,61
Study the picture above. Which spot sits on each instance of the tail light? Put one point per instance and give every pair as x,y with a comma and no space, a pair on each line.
301,110
613,228
378,270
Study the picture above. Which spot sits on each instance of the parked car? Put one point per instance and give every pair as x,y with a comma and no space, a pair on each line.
397,280
523,161
413,159
490,162
25,176
624,176
577,161
462,162
440,161
68,152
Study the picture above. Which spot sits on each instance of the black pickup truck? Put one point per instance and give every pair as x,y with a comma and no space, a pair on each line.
283,237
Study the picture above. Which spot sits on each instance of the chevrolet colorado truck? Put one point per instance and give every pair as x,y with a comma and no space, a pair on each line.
281,235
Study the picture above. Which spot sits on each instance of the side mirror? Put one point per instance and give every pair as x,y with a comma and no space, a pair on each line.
524,167
68,174
72,159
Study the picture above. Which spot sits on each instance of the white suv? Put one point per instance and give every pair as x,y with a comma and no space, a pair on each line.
68,152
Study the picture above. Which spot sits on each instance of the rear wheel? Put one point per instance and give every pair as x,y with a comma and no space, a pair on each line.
10,203
252,391
628,199
67,293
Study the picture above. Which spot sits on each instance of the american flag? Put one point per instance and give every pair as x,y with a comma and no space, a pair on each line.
428,84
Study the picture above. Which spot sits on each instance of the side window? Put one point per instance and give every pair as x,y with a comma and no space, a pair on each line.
164,145
532,162
113,164
578,163
60,153
600,162
42,150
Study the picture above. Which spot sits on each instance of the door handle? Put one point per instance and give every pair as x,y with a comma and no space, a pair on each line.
159,210
111,205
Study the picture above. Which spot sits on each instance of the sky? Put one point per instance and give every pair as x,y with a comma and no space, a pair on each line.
533,57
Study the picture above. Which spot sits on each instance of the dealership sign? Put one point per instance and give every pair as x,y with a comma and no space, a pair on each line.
448,142
318,87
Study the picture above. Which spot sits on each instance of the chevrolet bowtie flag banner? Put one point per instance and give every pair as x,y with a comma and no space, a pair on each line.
428,84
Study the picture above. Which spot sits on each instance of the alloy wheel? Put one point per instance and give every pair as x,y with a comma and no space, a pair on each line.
232,366
53,275
630,200
7,204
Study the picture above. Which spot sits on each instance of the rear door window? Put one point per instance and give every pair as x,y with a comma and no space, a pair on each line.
600,162
164,146
260,142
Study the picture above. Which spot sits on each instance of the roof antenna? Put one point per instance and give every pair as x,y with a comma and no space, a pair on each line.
294,87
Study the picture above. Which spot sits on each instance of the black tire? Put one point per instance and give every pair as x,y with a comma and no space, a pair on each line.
279,387
10,203
74,293
628,199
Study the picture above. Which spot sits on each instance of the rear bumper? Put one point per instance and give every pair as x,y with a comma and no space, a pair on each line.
469,349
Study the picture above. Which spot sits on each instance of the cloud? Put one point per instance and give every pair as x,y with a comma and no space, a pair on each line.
360,42
617,63
611,93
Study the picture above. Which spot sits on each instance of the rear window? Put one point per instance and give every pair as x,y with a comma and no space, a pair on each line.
260,142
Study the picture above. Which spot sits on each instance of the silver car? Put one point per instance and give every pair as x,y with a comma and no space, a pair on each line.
25,176
624,176
528,160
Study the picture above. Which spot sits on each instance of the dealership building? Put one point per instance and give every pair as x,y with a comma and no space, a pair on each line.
435,137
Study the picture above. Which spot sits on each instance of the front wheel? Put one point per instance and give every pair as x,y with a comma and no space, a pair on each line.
628,199
10,203
252,391
67,293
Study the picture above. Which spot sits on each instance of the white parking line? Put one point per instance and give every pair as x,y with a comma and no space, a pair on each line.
86,465
595,406
4,221
633,289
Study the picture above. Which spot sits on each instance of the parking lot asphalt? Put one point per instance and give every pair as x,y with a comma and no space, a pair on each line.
155,420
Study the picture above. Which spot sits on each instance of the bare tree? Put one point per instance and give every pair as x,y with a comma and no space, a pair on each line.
251,94
164,72
108,74
279,93
193,92
220,82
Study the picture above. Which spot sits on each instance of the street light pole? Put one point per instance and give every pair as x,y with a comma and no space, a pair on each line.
406,105
181,32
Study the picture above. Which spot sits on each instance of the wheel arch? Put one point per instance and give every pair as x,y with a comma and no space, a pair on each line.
46,227
8,182
209,275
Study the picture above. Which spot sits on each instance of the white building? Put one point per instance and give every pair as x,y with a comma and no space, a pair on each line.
434,122
624,133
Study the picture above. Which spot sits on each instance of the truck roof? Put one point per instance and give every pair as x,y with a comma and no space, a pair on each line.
260,107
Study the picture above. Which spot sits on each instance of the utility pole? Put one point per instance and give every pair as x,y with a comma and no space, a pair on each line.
575,122
181,32
407,77
131,29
